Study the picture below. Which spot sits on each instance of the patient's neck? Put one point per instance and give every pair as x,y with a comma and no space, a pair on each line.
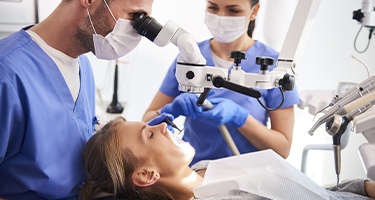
181,188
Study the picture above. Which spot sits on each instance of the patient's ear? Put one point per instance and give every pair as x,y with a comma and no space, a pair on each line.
145,177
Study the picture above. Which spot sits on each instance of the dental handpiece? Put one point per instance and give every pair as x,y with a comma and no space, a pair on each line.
337,127
356,98
337,156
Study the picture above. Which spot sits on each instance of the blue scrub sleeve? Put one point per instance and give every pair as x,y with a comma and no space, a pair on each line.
11,120
274,98
170,83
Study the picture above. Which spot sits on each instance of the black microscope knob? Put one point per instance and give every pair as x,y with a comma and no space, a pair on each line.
237,56
287,82
264,62
358,15
190,75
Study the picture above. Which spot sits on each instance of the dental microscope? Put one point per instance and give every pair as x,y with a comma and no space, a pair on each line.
195,77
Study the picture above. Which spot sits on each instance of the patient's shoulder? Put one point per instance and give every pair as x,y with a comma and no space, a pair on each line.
236,195
200,167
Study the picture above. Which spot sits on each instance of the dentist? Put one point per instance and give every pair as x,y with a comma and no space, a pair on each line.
47,109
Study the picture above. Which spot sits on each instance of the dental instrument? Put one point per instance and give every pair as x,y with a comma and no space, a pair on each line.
353,103
171,123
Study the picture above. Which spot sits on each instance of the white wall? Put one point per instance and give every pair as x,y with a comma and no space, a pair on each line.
326,61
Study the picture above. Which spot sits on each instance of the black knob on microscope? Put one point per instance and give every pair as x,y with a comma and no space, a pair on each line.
287,83
190,75
264,62
237,56
358,15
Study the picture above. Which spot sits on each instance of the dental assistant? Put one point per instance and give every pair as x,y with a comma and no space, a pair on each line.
47,94
246,120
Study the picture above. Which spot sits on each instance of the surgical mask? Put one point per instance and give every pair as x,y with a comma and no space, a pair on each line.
225,29
122,40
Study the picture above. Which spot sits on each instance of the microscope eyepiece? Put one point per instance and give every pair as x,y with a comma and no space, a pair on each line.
146,26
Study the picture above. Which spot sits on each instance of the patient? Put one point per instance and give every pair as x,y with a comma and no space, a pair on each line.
131,160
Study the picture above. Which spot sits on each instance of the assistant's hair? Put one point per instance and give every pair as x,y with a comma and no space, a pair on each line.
109,168
251,26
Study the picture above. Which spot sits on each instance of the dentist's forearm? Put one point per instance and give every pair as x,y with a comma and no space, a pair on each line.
278,138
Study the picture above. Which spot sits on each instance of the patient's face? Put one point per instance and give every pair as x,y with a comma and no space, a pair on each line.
154,143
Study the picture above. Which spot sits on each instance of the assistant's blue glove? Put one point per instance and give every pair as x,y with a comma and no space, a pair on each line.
184,104
160,119
224,111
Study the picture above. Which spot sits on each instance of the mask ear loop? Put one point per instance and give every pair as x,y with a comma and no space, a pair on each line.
91,21
110,10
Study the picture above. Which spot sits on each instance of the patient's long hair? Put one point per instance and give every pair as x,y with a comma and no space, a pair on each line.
109,168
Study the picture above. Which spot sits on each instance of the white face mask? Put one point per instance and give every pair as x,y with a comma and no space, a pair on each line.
122,40
224,28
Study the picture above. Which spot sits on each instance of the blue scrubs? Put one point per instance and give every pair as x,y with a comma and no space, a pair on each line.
203,135
42,130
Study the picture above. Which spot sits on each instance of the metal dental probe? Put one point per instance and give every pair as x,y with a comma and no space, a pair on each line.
169,122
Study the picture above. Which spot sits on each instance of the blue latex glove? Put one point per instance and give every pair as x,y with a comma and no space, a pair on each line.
184,104
160,119
224,111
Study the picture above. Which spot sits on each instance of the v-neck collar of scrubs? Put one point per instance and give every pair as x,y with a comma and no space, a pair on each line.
59,81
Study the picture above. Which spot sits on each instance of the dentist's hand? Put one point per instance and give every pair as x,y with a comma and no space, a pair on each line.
184,104
160,119
225,111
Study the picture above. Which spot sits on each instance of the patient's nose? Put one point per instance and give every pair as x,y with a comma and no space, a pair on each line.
163,127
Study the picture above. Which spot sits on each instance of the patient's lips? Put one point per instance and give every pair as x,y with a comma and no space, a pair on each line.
185,146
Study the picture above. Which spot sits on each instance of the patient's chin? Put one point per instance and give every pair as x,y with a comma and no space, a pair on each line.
187,149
